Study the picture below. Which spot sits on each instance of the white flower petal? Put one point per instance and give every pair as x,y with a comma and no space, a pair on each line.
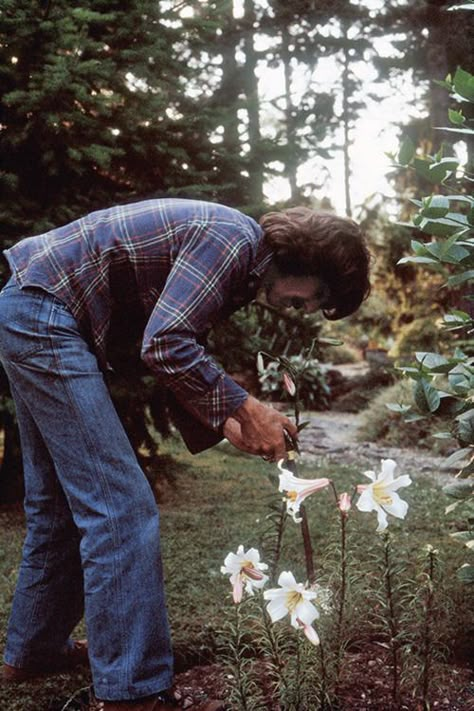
274,593
237,590
387,469
306,612
371,475
400,482
366,500
382,519
398,507
277,609
287,580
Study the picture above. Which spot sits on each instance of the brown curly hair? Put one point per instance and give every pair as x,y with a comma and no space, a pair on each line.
306,242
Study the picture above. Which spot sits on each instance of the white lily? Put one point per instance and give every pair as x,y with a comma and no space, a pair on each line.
293,599
297,490
381,496
245,570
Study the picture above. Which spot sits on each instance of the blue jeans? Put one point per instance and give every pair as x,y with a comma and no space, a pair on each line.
92,541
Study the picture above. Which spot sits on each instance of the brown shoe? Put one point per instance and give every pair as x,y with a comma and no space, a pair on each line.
73,656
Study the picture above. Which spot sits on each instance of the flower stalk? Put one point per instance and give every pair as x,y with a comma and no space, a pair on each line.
428,626
392,620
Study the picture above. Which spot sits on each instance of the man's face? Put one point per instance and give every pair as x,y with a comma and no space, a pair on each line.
300,292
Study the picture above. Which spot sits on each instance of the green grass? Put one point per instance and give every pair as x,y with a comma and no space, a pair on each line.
221,499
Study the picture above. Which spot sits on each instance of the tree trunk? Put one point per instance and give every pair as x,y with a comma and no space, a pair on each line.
253,106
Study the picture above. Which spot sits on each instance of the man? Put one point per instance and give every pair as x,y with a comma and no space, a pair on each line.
170,268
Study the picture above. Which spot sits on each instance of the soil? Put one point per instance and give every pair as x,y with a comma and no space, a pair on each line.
366,679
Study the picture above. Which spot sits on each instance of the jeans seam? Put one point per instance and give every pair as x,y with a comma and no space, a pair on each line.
113,526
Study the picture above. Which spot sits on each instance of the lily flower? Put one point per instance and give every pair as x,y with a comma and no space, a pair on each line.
245,570
381,496
293,599
296,489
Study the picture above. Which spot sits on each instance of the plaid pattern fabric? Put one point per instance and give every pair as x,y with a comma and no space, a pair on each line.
177,265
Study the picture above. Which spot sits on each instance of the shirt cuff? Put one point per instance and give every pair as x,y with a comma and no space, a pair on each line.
213,407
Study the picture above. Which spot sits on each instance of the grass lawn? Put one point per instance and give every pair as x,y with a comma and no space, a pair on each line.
213,502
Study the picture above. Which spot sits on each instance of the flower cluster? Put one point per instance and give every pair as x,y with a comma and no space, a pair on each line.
379,496
295,599
291,598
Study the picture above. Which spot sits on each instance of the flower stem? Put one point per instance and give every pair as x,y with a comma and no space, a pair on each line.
322,658
427,628
273,650
307,545
342,595
392,621
305,532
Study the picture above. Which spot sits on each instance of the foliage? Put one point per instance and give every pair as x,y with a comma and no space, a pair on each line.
445,382
313,391
380,425
259,326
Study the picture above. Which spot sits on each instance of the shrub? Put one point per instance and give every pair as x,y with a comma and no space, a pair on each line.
382,425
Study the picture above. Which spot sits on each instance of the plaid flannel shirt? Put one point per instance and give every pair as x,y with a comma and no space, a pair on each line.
182,264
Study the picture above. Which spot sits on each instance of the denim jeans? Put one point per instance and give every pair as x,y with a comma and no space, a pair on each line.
92,542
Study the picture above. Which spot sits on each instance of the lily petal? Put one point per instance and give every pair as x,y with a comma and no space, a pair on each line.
381,518
366,500
287,580
277,609
400,482
398,507
311,634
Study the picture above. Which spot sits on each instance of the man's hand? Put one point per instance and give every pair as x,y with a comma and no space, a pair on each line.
259,429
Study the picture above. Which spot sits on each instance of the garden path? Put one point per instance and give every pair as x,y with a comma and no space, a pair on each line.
333,436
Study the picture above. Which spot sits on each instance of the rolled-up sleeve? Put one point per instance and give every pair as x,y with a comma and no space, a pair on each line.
207,269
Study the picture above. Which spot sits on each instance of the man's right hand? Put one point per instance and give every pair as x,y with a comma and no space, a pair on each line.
259,429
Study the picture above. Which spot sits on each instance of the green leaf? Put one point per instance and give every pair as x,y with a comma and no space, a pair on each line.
432,361
464,84
407,151
452,507
440,227
459,489
417,260
395,407
437,171
414,417
435,206
463,536
457,317
458,279
456,117
466,574
468,469
468,131
426,397
465,427
303,425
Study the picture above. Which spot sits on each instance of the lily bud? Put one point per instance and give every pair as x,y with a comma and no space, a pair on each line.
344,502
289,385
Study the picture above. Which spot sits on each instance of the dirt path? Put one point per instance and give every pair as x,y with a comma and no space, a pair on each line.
333,436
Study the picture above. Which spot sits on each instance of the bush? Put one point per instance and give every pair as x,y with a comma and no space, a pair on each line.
379,424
